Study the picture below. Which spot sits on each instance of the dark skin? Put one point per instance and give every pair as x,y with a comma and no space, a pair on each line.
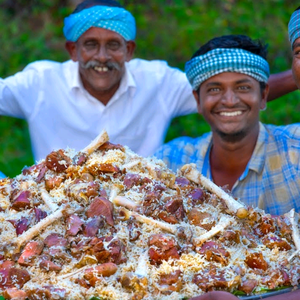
281,84
218,295
103,47
230,104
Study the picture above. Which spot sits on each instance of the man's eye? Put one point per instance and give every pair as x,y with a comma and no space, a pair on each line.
296,51
244,87
90,44
214,89
114,45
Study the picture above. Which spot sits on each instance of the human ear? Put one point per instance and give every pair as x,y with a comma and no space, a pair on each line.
71,48
197,98
130,47
264,97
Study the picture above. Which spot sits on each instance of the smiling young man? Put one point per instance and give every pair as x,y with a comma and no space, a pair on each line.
260,164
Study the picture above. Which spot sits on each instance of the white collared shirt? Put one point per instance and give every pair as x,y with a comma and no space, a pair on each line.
61,113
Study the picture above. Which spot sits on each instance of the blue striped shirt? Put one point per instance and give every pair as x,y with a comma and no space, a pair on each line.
271,180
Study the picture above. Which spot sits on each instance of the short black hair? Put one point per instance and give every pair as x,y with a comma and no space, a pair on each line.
297,8
234,41
89,3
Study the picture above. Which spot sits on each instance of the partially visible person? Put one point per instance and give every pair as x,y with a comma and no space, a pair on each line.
218,295
2,175
68,104
257,163
294,34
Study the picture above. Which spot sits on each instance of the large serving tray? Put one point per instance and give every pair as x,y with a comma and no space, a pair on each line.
266,295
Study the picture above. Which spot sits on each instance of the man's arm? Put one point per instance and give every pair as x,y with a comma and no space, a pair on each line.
227,296
281,84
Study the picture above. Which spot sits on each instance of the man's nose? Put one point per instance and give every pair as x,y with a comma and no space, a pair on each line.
229,97
102,54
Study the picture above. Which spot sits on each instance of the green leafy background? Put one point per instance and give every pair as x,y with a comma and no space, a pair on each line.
171,30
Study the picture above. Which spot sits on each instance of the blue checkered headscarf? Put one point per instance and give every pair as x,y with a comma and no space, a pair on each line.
294,26
216,61
116,19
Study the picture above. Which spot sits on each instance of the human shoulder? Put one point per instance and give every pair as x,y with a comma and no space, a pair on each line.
49,65
289,133
152,66
186,144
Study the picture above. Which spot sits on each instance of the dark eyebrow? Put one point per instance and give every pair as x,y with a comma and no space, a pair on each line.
213,83
216,83
295,45
246,80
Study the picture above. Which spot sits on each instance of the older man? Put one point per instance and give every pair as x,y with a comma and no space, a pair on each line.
68,104
260,164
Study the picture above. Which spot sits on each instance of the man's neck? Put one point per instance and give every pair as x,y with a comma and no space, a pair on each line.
228,160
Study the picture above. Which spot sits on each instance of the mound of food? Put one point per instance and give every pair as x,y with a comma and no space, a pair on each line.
106,223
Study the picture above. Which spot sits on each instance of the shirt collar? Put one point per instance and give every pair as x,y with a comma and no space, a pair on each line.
258,157
256,162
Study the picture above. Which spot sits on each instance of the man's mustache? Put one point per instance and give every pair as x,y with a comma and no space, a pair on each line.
94,63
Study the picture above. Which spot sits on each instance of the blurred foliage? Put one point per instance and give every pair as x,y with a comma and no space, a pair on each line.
171,30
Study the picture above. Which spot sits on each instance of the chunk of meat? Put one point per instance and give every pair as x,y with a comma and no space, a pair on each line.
175,206
182,181
48,292
98,169
256,261
265,226
30,252
92,275
55,239
197,196
150,203
13,277
53,182
248,286
21,201
162,247
74,225
133,230
201,219
39,214
92,226
100,206
110,146
48,265
22,225
210,279
79,159
171,282
214,251
131,180
14,294
137,284
57,161
272,241
114,251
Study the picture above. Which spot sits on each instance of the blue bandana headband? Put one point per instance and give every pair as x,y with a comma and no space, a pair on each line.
201,68
116,19
294,26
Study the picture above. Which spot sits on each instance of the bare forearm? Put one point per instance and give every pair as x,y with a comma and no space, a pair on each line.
281,84
227,296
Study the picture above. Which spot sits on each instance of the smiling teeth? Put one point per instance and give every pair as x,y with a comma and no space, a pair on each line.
231,114
101,69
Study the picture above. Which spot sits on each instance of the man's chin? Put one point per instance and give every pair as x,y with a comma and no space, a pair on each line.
231,137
